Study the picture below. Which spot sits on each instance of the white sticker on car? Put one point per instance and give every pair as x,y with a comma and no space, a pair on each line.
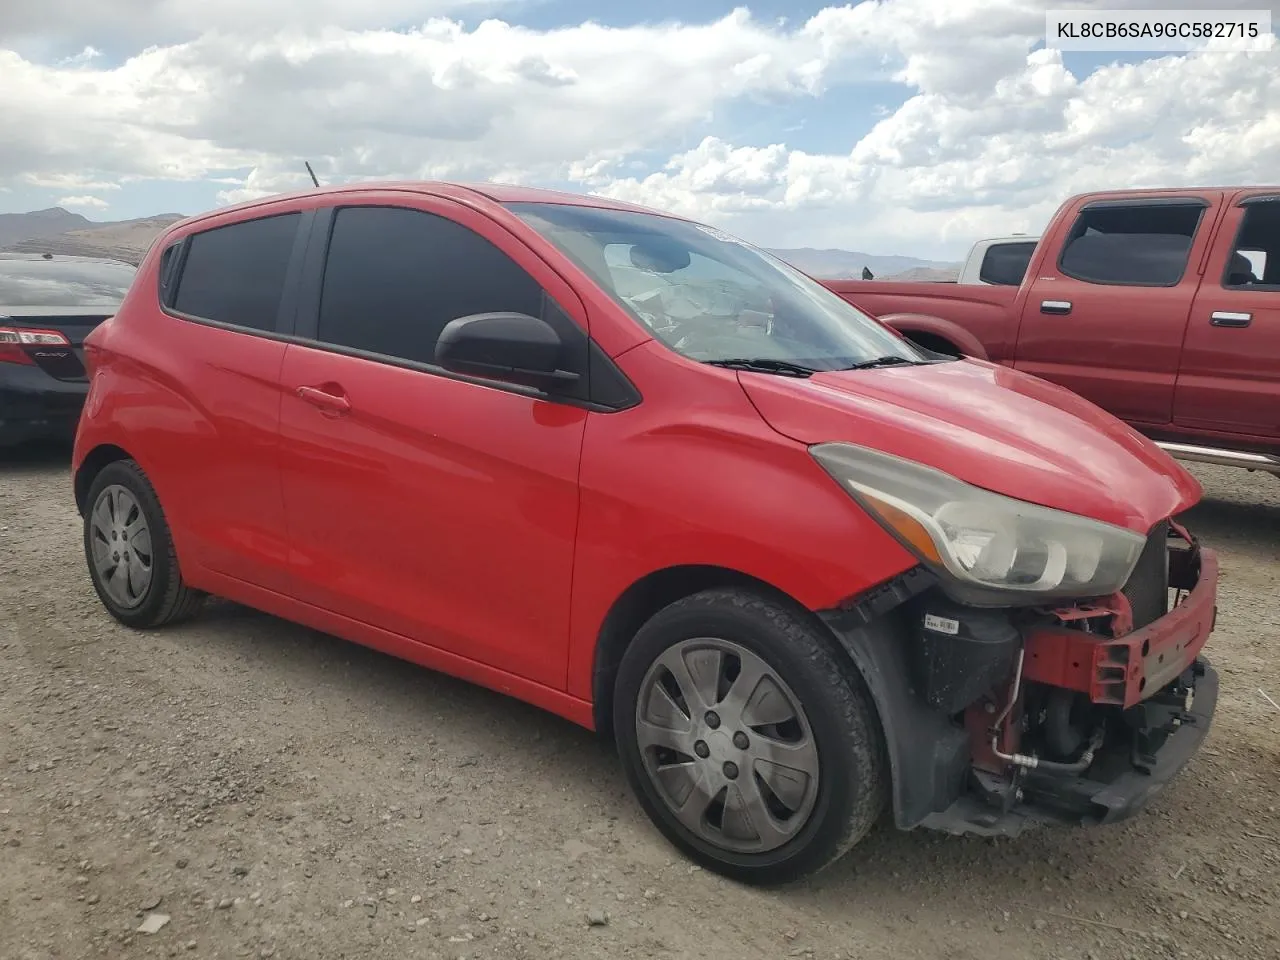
941,624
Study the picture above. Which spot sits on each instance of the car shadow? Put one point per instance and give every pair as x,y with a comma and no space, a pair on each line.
1026,877
1223,519
398,687
35,455
1239,510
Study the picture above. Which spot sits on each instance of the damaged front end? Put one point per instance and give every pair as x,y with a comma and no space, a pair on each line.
998,718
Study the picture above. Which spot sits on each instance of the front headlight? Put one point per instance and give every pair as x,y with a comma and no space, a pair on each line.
982,539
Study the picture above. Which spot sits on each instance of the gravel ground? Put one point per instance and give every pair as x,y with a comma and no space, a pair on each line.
277,792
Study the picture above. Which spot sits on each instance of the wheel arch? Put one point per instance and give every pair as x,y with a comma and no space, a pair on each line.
939,331
660,588
871,639
93,463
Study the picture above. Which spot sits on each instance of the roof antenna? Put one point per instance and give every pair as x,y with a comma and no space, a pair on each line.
312,172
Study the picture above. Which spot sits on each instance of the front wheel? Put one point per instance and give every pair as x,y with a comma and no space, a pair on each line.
748,740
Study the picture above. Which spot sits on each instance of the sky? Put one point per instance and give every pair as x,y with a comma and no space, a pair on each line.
908,127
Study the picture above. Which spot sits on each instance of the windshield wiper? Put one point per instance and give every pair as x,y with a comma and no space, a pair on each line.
765,365
885,362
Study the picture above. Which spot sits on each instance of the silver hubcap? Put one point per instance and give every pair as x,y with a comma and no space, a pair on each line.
121,545
727,745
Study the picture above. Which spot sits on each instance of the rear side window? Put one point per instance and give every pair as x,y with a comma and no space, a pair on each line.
1005,263
236,274
395,276
1254,263
1131,244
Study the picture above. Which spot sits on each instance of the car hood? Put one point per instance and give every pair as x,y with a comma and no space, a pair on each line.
991,426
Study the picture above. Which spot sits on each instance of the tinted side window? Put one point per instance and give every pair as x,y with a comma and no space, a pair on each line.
395,276
1131,245
1005,263
236,274
1255,257
168,264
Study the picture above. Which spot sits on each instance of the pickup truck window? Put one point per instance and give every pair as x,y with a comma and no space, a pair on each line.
1004,264
1131,245
1255,258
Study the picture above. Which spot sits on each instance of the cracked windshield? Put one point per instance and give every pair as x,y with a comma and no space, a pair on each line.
712,297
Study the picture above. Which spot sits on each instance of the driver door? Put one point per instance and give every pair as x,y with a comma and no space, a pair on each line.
441,509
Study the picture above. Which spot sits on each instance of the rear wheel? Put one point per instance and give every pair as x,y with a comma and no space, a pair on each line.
746,737
129,551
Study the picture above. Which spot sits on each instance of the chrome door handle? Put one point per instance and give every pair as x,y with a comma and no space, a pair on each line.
1057,307
1230,318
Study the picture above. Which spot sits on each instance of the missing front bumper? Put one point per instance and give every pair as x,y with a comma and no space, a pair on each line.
1105,797
1131,667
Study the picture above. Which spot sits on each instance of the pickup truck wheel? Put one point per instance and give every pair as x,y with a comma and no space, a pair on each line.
748,740
129,551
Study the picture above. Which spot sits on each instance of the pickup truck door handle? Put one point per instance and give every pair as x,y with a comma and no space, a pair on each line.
1229,318
1058,307
330,398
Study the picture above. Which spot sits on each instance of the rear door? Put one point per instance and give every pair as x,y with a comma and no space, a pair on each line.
1107,318
206,389
1230,375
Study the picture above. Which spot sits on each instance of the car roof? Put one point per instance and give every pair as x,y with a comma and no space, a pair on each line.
458,190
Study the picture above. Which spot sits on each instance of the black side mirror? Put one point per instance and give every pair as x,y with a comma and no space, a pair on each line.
513,347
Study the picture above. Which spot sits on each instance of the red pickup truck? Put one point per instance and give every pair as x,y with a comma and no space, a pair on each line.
1160,306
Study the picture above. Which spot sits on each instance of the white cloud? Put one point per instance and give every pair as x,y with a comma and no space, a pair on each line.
991,137
68,181
83,58
943,169
93,203
139,23
436,100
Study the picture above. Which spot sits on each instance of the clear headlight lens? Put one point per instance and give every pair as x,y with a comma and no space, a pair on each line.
980,538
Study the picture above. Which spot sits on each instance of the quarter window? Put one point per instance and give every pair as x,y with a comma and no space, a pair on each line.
1131,244
1005,263
395,277
236,274
1255,259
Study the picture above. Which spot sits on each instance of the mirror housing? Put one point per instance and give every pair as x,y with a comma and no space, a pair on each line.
512,347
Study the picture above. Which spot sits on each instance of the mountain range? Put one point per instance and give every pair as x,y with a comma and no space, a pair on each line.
56,230
849,264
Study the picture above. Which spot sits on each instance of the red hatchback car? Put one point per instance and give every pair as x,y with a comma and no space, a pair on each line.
641,474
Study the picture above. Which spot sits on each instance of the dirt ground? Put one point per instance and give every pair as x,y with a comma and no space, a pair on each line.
277,792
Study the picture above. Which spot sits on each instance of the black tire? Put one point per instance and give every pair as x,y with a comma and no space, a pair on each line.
852,781
167,598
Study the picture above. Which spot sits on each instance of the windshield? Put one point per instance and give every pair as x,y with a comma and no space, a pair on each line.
63,283
710,296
